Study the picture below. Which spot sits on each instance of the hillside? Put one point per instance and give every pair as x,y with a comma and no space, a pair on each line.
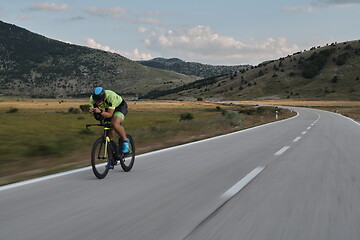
36,66
192,68
330,72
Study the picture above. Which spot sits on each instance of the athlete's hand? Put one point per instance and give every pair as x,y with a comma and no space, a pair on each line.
95,110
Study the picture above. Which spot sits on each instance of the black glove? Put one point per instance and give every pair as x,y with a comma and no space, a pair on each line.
98,116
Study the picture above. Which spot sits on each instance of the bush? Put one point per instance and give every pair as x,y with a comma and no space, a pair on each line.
186,116
74,110
315,63
234,118
341,60
13,110
334,79
85,107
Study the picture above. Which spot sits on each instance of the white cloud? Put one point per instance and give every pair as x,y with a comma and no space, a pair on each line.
320,3
142,29
74,19
335,2
26,18
308,9
47,6
149,21
112,13
93,44
134,55
201,44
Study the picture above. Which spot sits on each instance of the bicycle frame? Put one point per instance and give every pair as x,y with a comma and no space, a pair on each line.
111,153
107,127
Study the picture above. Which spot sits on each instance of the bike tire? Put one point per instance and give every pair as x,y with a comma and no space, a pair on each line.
127,161
100,163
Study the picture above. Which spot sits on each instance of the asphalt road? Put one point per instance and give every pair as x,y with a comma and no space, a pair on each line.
294,179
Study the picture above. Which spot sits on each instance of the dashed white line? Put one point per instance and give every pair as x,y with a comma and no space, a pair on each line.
308,128
281,151
296,139
242,183
304,132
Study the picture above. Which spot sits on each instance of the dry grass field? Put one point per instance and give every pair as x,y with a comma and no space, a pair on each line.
347,108
41,136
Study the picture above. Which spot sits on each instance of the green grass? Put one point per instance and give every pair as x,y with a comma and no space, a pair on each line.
41,139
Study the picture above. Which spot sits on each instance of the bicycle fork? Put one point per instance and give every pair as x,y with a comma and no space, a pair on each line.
107,141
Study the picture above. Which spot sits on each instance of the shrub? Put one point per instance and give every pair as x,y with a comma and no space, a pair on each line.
341,60
334,79
13,110
74,110
85,107
234,118
186,116
315,63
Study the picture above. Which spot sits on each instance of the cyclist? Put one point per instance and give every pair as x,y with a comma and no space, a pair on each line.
112,106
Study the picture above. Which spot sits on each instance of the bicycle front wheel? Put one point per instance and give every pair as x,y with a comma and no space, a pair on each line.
101,157
127,162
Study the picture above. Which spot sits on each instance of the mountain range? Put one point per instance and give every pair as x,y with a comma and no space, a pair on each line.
32,65
35,66
192,68
329,72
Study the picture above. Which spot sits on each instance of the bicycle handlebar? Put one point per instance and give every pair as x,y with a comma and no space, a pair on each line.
106,124
103,122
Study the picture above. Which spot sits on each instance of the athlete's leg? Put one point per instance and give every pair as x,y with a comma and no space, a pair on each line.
117,123
111,134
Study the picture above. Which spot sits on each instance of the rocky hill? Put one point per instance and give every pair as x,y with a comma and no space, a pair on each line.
192,68
36,66
331,72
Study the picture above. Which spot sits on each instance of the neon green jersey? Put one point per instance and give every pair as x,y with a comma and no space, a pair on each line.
112,100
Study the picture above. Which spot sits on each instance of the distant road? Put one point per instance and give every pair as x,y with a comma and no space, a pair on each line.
294,179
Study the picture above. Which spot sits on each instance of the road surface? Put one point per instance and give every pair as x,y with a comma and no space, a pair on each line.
293,179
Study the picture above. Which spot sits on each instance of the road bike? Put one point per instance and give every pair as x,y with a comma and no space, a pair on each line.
106,153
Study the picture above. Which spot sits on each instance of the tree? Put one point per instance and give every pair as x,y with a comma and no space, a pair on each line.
335,79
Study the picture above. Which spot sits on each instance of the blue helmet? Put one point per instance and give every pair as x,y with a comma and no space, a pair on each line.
99,94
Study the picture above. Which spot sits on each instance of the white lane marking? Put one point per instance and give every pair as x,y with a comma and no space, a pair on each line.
308,128
14,185
242,183
281,151
304,132
296,139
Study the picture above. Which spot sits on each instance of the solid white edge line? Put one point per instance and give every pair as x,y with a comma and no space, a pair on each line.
213,138
242,183
281,151
18,184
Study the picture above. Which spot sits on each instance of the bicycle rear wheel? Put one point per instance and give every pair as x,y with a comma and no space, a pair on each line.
100,158
127,161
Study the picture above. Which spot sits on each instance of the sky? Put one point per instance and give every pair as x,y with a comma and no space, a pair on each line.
223,32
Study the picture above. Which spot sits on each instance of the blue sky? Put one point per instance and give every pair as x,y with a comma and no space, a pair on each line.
226,32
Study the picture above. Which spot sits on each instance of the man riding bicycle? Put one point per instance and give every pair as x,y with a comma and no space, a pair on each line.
110,105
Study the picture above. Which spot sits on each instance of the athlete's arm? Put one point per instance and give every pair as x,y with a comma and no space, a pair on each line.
106,114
